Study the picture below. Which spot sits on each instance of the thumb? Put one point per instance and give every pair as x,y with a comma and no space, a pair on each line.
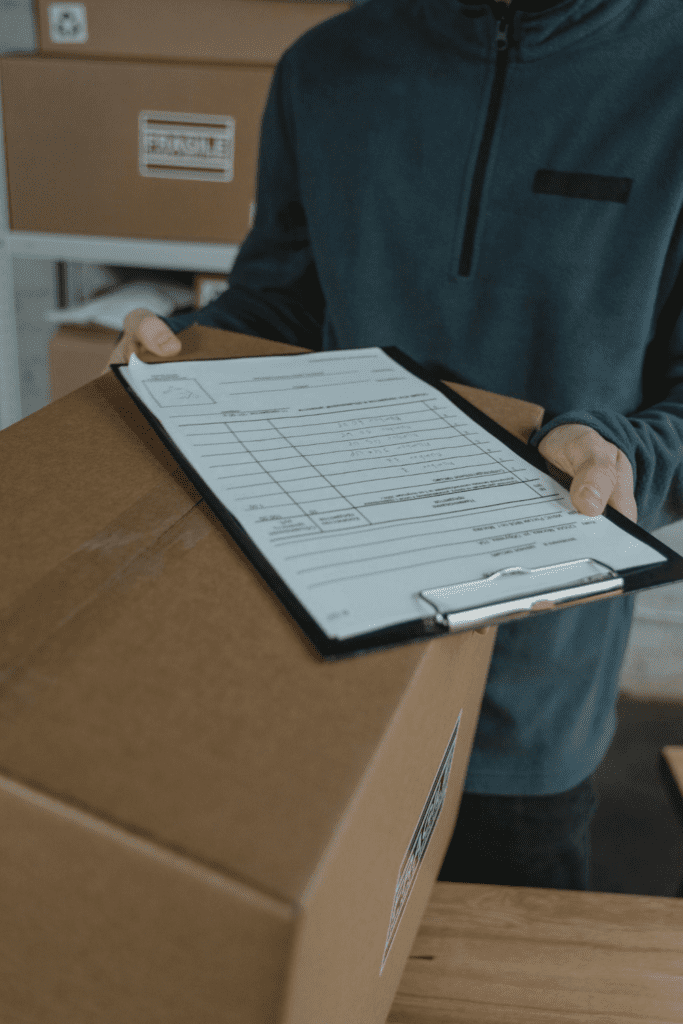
151,332
600,482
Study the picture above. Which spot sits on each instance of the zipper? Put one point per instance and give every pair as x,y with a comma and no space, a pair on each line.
502,56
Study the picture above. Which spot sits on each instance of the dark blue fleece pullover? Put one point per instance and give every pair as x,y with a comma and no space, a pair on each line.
499,192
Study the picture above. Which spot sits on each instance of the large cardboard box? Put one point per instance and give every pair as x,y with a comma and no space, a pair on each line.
248,31
201,821
78,354
132,150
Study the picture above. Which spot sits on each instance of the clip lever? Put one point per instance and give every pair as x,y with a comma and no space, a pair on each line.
500,594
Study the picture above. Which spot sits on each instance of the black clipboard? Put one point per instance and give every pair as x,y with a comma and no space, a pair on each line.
555,585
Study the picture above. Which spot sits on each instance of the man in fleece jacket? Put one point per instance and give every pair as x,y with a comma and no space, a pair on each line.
497,189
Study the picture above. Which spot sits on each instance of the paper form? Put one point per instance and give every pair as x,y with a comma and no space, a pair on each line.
364,485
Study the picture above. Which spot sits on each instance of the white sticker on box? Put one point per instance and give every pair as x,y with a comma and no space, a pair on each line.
417,847
198,147
67,23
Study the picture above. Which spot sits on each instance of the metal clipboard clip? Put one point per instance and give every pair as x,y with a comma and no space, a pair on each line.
519,591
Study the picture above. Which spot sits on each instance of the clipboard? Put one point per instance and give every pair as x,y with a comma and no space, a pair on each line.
509,593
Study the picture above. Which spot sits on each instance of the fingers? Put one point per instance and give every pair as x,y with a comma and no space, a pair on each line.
604,478
156,337
602,474
594,484
143,329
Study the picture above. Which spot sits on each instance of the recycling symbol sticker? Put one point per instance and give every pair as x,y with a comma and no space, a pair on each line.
68,23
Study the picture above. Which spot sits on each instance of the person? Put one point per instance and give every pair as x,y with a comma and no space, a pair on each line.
495,188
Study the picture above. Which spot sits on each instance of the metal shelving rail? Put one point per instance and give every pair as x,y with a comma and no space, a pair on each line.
133,252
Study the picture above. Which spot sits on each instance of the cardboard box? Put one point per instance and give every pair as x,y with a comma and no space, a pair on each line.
202,821
132,150
247,31
78,355
208,287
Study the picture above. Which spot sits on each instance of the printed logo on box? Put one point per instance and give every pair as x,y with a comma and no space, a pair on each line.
196,147
67,23
417,847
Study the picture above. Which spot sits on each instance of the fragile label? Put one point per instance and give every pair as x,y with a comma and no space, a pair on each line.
198,147
417,847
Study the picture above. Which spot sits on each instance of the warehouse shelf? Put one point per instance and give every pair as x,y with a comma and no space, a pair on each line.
133,252
125,252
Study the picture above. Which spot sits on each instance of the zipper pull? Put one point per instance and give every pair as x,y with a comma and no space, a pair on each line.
502,37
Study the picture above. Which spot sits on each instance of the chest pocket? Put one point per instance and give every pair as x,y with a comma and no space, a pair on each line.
582,186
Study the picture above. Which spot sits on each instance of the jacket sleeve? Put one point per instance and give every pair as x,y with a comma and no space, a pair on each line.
274,291
652,437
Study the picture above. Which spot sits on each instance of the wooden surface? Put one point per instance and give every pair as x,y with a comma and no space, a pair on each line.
488,954
674,758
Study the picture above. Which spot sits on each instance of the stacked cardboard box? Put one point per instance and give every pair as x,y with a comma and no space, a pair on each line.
218,31
147,126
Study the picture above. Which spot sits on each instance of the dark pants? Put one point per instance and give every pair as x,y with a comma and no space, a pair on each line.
536,841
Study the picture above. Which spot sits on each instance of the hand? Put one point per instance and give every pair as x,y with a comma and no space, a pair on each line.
151,334
602,473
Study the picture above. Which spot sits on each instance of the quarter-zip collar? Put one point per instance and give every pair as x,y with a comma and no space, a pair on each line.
538,28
